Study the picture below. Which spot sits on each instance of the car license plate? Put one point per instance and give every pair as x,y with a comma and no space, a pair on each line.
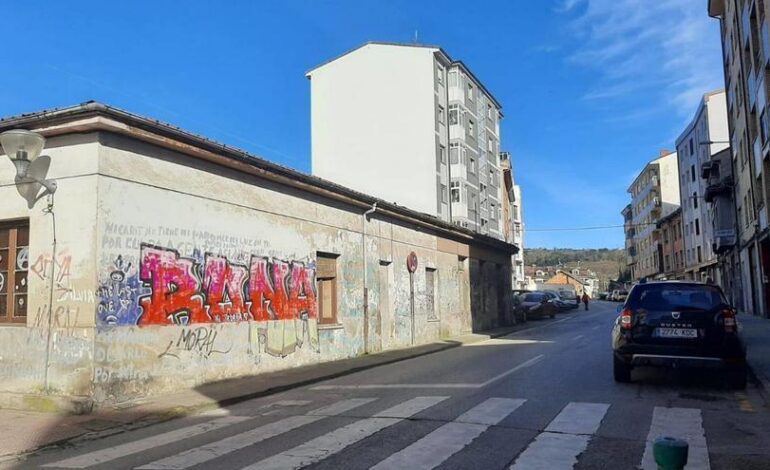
677,332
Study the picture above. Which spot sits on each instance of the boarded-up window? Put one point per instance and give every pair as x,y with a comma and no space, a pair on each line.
14,263
430,293
326,279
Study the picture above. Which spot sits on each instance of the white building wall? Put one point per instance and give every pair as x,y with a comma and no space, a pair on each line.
373,124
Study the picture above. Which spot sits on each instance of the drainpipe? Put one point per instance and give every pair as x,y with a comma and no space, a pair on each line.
364,217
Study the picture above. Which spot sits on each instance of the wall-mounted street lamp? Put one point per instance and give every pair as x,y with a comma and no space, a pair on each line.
23,148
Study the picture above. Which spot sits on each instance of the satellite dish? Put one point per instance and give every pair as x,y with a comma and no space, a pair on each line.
30,185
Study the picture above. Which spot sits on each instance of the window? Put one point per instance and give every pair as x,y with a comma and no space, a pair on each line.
442,154
492,210
454,115
692,172
700,259
471,129
439,74
443,193
453,78
441,114
430,293
454,186
483,223
697,227
326,281
489,111
454,153
482,187
14,263
695,200
472,165
490,144
470,91
691,146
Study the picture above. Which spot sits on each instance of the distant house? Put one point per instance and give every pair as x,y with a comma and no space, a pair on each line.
563,277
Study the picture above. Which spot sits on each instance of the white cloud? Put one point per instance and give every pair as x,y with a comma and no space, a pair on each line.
670,49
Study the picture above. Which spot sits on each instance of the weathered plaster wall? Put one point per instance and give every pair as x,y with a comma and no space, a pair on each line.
171,272
23,346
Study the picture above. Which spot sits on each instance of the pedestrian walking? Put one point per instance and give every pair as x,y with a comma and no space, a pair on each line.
585,299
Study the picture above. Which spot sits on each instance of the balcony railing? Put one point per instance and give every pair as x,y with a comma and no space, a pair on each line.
723,188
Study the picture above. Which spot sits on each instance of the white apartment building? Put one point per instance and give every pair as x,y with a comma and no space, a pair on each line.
410,125
706,135
654,194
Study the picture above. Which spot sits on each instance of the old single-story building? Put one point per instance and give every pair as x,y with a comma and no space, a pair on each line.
177,261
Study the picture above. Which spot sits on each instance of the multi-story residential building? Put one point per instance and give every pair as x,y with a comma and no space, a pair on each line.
718,174
654,195
746,51
703,137
513,223
630,232
409,124
672,257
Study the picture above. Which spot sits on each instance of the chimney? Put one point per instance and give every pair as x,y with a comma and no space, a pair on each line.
664,152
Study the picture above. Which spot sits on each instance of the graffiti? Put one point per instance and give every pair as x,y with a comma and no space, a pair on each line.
22,259
63,317
118,296
170,289
62,266
200,340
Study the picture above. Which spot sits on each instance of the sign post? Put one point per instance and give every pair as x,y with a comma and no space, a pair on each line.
411,266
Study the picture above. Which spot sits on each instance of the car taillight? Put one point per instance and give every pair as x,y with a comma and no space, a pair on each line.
625,319
728,320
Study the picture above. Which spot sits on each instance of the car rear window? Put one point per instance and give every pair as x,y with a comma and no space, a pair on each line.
533,298
676,296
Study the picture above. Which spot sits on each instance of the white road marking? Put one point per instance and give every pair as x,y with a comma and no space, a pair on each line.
219,448
577,337
552,451
596,327
682,423
112,453
433,449
328,444
523,365
565,438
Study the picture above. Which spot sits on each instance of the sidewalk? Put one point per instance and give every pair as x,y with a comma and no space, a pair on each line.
24,431
756,334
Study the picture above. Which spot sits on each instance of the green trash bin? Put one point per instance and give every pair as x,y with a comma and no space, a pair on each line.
670,453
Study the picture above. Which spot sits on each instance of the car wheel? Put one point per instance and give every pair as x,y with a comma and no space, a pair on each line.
737,378
621,371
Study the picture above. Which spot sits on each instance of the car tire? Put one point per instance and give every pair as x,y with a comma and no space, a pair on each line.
737,378
621,371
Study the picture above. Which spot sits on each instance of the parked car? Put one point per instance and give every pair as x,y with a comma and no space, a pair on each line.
678,324
561,304
619,295
535,305
604,295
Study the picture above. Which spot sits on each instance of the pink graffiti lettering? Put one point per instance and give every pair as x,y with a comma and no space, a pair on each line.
223,284
175,289
302,295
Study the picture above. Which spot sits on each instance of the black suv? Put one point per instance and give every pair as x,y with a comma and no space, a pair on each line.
678,324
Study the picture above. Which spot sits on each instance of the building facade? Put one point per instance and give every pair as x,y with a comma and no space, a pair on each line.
179,261
746,52
410,125
513,222
706,135
672,256
654,195
718,176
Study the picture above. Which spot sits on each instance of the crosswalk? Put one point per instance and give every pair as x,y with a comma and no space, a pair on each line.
338,426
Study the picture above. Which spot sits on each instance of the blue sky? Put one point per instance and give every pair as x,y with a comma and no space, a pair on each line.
591,89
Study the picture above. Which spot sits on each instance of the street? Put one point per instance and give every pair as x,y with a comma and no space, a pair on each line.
540,398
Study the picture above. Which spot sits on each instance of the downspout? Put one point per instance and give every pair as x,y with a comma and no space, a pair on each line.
364,217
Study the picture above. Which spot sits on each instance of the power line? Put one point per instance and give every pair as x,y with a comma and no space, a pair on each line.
596,227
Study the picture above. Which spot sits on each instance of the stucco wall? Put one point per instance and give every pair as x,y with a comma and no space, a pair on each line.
171,272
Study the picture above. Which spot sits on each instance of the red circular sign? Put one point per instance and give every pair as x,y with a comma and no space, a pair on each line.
411,262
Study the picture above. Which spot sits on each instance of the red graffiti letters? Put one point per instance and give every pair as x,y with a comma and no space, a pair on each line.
175,296
267,290
224,284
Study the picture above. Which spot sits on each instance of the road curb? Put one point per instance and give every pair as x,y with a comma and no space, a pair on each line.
162,416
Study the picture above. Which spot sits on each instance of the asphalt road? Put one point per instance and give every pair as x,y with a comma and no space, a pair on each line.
541,398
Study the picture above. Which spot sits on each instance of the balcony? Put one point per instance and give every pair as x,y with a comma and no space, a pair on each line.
631,251
723,188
